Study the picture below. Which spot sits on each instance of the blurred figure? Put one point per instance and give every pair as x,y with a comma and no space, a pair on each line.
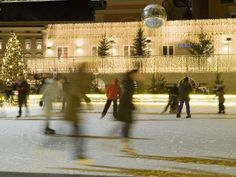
77,88
221,99
22,87
173,99
184,97
65,85
50,91
9,94
112,93
126,107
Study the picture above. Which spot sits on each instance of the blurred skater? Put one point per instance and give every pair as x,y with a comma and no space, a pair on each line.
112,94
65,85
50,91
76,92
185,89
173,100
126,108
221,99
22,87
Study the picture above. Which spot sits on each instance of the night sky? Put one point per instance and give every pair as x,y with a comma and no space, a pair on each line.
67,10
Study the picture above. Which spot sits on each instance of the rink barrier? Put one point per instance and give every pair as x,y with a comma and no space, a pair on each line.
196,99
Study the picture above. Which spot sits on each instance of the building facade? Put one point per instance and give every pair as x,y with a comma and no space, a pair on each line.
31,37
82,39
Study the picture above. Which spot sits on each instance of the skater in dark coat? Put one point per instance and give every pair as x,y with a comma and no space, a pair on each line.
221,99
126,107
22,87
173,99
185,89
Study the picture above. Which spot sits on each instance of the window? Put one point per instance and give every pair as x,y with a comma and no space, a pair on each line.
27,44
171,50
168,50
131,50
62,52
1,44
39,44
94,51
126,51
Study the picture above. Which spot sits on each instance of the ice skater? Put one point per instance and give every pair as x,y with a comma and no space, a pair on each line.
221,99
50,91
173,99
112,94
185,89
23,88
126,107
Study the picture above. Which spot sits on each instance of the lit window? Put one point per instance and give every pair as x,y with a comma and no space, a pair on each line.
126,51
27,44
39,45
62,52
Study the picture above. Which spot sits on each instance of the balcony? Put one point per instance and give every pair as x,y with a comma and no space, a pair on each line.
153,64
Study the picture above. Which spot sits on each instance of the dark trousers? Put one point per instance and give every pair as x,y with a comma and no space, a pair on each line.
126,130
22,99
173,103
221,106
107,105
181,103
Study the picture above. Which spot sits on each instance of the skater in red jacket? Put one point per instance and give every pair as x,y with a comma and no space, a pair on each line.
112,93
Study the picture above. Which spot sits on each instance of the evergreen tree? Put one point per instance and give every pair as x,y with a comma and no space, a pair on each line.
140,44
161,83
158,85
104,47
204,46
13,62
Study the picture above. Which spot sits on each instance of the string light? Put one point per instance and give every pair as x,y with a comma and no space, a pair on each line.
171,33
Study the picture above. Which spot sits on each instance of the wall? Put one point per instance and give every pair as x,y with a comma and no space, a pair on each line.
172,33
202,78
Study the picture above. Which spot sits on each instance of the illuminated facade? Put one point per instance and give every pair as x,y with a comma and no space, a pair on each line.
82,39
31,37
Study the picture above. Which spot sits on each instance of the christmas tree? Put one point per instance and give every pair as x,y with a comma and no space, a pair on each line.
204,46
13,62
140,44
104,47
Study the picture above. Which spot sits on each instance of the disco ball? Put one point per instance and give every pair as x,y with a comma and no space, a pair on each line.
154,15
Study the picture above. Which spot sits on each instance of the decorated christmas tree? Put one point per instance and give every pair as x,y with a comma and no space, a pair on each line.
140,44
13,62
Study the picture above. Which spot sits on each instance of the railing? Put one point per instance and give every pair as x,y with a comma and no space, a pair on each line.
166,64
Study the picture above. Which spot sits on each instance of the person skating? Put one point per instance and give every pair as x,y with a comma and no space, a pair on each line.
50,91
65,85
173,99
75,93
112,94
221,99
126,108
22,87
184,97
